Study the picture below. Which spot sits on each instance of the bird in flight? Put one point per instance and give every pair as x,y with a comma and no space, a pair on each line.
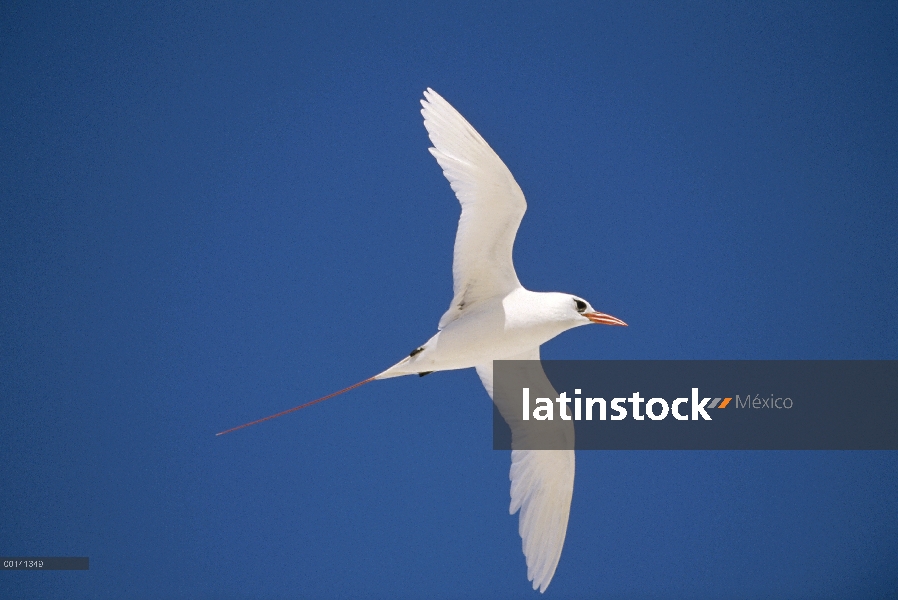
493,317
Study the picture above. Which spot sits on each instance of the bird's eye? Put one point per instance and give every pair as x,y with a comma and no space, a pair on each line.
581,305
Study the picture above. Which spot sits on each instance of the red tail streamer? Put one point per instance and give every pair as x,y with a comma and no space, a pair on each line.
290,410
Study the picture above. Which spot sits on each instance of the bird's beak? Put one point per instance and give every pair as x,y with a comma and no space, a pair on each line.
603,319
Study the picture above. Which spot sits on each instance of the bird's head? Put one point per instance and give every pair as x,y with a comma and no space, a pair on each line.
581,313
553,312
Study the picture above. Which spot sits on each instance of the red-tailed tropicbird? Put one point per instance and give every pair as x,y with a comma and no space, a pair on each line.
492,317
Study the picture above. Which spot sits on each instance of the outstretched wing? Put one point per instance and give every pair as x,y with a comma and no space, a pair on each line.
492,206
542,482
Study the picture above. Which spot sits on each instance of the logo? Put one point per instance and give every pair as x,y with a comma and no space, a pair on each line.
656,409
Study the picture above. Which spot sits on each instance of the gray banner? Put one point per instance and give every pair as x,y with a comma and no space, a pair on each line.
45,563
696,405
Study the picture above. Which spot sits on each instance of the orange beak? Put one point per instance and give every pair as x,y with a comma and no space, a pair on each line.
603,319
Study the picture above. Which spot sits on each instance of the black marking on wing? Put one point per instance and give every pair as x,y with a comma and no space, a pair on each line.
415,351
424,373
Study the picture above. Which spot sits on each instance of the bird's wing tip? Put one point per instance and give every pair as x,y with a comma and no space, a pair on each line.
431,98
428,101
541,583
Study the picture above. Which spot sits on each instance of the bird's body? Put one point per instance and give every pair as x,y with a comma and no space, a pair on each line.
493,329
492,317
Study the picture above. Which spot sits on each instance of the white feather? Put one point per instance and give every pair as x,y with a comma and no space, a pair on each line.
542,482
492,206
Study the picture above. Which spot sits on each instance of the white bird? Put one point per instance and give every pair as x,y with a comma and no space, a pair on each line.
493,317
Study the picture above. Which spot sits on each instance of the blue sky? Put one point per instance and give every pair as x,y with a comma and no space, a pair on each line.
210,213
